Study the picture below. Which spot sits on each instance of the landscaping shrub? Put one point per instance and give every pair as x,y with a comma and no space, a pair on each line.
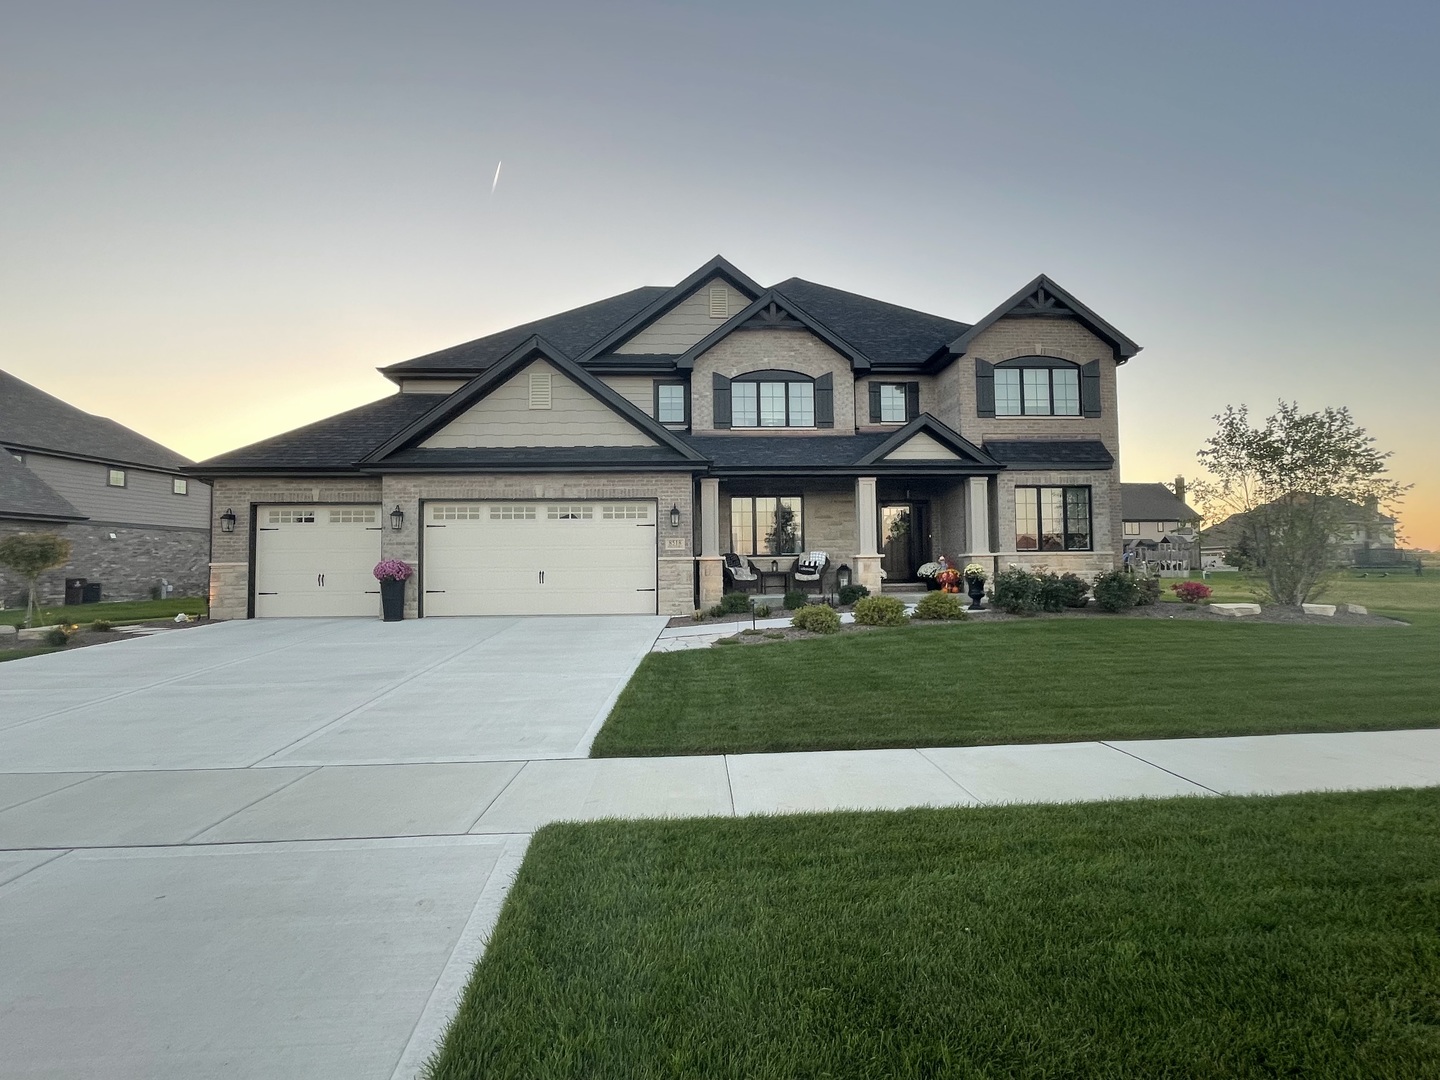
1149,591
879,611
1016,591
1074,589
716,612
940,605
762,611
101,625
57,635
795,600
157,593
817,618
1191,592
1116,590
734,603
850,593
700,615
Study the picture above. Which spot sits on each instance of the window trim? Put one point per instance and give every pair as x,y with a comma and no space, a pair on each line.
902,390
684,404
797,500
110,475
179,485
1065,529
1132,528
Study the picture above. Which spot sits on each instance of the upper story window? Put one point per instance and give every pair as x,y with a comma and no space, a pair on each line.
894,403
774,399
670,403
180,486
1037,386
116,478
1132,528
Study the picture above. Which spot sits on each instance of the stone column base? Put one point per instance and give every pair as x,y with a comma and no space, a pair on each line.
229,590
712,580
867,572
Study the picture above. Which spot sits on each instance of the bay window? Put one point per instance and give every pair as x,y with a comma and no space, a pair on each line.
1052,519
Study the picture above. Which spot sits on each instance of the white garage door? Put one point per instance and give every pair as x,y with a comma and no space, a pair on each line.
316,560
539,558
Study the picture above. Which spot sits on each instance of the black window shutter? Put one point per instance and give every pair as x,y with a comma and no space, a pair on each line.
912,400
825,401
1090,388
984,388
722,401
874,403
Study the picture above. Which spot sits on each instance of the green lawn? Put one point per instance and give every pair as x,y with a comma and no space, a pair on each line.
121,611
29,650
1042,680
1257,937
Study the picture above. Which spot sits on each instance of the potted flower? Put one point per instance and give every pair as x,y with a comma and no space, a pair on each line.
927,573
948,577
392,574
975,584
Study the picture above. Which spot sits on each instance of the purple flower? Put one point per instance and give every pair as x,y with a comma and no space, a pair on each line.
392,570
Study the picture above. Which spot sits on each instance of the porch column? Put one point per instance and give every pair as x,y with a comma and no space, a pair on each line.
712,563
977,519
867,540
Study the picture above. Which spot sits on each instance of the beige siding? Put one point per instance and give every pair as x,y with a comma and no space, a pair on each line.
146,499
504,418
430,386
921,447
686,323
757,350
639,390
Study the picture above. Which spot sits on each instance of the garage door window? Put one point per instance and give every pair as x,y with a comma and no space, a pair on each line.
512,512
353,516
570,512
460,512
626,512
292,517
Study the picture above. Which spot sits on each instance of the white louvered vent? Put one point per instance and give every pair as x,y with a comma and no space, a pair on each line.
540,389
719,302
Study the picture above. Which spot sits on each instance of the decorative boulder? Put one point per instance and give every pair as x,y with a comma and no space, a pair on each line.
1318,609
1236,610
1356,609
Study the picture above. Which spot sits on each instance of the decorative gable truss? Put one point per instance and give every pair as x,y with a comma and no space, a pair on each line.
927,441
772,311
1043,298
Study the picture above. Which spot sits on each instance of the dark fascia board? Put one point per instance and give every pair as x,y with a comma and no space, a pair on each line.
568,467
633,364
718,266
1124,348
46,519
859,362
882,468
207,472
941,432
533,348
168,470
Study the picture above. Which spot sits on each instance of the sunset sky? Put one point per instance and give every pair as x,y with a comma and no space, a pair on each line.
216,220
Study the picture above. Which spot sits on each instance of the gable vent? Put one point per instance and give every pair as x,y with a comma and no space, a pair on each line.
719,302
540,389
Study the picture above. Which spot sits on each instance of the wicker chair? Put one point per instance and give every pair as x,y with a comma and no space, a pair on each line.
740,573
810,570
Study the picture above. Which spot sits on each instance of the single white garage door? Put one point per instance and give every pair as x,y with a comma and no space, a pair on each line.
316,560
539,558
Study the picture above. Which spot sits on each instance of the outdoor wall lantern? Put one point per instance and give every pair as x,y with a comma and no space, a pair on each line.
227,521
674,516
774,566
397,518
842,576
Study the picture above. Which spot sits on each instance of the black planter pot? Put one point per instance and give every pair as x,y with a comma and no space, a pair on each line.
392,600
977,593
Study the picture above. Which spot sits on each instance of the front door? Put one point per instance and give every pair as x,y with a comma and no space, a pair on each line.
904,539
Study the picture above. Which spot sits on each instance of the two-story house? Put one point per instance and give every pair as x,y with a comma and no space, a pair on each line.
606,459
135,520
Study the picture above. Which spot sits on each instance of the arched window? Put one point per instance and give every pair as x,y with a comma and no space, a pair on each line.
772,399
1037,386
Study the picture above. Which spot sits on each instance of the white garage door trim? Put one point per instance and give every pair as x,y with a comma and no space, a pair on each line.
316,560
539,557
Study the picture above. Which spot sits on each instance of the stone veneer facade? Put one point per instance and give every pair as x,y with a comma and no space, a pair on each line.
140,559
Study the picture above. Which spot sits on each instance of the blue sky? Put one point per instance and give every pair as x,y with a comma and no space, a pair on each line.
217,220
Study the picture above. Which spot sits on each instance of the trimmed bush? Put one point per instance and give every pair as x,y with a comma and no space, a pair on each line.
734,603
879,611
101,625
57,635
716,612
1116,590
1074,590
795,600
850,593
700,615
762,611
1016,591
1149,591
1191,592
940,605
817,618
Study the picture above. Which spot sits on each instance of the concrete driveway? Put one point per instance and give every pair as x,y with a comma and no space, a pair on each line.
240,850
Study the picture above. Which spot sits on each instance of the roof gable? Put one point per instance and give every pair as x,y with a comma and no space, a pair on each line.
24,496
890,335
929,438
1152,502
536,350
773,310
1043,298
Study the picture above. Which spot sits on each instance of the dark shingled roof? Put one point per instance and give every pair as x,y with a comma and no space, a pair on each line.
33,419
24,496
886,333
1056,454
336,442
779,451
1152,502
539,457
571,331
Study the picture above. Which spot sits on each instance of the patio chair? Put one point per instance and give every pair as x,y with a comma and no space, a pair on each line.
810,569
741,574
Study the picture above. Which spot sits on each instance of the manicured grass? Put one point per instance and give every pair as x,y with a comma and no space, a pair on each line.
121,611
1263,937
21,654
1043,680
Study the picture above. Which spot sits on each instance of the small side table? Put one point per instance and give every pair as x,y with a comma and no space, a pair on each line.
767,577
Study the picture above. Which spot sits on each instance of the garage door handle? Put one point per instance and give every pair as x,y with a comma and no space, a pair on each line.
542,577
644,590
267,594
432,592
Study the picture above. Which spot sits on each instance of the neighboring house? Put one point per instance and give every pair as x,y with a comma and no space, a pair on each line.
605,459
1365,537
1158,524
133,517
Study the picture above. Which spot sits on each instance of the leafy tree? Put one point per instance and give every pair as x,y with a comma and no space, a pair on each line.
1293,488
784,538
30,555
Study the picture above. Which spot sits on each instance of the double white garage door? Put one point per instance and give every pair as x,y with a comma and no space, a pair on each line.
584,557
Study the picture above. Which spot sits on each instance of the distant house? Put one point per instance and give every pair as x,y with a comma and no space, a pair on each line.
1365,536
1157,523
134,519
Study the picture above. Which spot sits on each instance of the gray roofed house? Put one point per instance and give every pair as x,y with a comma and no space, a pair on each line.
135,520
608,458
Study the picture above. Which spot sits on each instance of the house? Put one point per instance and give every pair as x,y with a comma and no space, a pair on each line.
136,521
1362,535
1158,524
608,458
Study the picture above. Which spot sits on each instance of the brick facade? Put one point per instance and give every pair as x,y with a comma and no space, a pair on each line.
130,566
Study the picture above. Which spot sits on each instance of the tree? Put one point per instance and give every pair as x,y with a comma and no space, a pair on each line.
30,555
1292,489
783,539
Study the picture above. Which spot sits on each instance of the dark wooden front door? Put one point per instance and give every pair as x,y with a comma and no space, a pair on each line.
904,539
